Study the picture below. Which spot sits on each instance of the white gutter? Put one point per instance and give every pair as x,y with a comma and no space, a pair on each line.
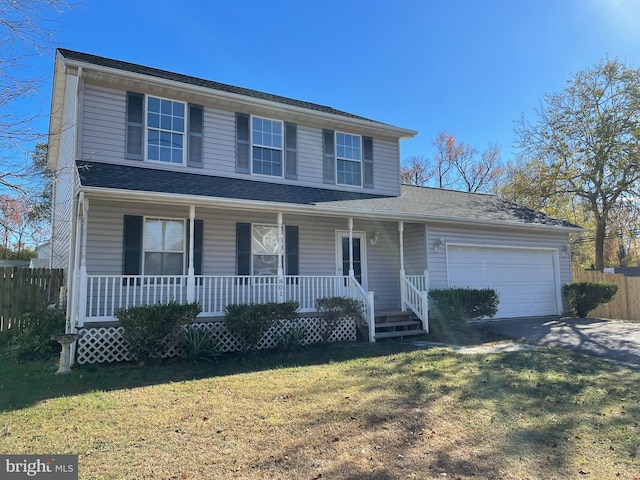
259,205
228,96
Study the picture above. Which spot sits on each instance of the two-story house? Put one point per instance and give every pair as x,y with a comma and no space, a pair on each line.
170,187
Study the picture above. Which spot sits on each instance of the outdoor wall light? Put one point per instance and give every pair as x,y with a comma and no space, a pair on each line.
564,251
438,245
374,238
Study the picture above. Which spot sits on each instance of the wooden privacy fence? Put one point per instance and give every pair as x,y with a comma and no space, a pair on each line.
625,305
24,289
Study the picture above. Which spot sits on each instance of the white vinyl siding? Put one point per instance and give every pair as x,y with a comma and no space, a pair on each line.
415,252
65,183
103,140
103,124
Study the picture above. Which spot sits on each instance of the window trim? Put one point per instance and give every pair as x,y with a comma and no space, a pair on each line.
338,158
282,253
185,133
282,149
144,249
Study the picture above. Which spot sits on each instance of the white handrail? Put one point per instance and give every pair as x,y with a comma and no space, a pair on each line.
415,296
357,292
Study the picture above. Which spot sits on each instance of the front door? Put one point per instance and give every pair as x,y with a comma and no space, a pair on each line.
359,256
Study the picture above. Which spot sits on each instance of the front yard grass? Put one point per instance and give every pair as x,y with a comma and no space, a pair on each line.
353,411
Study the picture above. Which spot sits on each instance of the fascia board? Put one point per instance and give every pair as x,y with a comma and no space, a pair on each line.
384,129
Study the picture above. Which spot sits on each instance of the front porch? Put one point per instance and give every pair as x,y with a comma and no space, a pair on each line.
236,256
102,295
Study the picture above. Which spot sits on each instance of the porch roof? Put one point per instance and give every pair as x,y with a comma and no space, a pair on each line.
415,203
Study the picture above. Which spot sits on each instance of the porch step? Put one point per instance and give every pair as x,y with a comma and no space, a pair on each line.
404,333
396,323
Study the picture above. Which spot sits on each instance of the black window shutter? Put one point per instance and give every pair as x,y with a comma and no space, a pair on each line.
367,146
198,241
135,126
292,249
243,248
195,145
132,245
291,153
242,143
329,156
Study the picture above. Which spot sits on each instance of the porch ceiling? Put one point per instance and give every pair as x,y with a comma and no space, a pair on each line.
415,203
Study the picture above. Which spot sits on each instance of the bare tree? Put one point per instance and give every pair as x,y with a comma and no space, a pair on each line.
26,31
416,171
447,150
481,174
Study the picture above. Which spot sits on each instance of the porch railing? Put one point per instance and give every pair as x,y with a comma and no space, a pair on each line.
415,296
214,293
357,292
106,293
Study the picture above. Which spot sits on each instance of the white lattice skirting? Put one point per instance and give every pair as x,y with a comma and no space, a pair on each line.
106,344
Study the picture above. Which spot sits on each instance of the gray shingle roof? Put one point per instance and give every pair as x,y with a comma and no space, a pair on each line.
430,203
178,77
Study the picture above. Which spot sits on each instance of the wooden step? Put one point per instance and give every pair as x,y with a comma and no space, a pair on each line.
402,323
397,334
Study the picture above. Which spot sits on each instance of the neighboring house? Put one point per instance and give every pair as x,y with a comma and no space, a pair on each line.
44,256
174,187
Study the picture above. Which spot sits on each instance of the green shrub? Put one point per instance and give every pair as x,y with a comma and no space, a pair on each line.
586,296
293,339
457,306
150,330
199,344
32,342
249,322
333,309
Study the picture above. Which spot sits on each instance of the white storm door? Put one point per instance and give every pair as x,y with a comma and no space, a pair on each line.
359,256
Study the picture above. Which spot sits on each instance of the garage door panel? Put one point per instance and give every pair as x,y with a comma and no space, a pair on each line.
524,279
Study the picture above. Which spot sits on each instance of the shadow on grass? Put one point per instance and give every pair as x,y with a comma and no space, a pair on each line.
545,405
23,385
413,410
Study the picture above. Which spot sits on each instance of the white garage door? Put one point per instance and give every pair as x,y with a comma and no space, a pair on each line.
525,279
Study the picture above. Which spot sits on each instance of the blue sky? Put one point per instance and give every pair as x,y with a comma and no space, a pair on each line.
469,67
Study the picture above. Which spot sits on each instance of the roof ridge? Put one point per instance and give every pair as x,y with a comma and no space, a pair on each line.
212,84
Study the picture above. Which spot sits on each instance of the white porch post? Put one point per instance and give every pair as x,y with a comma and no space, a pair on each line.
280,269
403,287
82,304
351,271
191,279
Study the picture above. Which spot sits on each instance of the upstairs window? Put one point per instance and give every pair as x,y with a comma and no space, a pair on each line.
163,130
266,138
266,147
349,159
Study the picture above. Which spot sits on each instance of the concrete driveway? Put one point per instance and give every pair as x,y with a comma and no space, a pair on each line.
612,339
